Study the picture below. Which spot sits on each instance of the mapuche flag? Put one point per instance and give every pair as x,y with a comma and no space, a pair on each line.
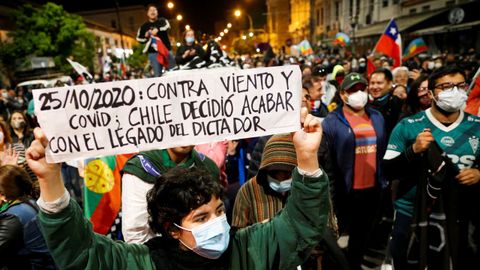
102,197
415,47
389,44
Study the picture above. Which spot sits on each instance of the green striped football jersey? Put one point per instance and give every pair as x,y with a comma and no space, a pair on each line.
459,140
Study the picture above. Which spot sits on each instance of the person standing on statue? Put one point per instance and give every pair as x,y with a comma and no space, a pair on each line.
150,33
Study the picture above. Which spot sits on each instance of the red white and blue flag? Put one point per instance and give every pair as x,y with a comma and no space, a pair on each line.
389,44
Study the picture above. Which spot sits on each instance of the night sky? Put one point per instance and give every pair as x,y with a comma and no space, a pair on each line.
201,14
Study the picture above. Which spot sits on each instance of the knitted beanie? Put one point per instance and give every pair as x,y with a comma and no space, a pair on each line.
279,154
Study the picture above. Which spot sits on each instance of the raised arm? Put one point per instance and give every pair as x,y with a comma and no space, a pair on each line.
307,142
287,240
69,236
48,174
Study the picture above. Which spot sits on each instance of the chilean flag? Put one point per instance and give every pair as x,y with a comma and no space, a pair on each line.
389,44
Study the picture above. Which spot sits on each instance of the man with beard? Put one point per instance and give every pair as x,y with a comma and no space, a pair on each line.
446,127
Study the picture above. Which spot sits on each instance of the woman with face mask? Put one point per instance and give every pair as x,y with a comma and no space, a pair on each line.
418,98
186,209
21,240
190,52
21,132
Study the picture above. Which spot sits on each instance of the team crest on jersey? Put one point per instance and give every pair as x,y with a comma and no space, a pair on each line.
473,143
447,141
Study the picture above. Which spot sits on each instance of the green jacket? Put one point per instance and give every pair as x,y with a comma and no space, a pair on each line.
162,162
282,243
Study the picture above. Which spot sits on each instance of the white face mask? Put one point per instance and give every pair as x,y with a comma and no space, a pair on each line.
451,100
279,186
212,237
438,65
17,124
357,100
1,136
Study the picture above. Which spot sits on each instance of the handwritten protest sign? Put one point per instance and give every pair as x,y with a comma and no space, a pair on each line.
184,108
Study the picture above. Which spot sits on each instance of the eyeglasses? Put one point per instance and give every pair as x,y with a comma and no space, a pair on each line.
422,89
448,85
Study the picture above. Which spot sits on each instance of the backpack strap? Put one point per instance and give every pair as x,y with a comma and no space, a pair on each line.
148,166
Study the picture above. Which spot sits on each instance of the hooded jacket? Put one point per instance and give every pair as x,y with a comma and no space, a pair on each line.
256,201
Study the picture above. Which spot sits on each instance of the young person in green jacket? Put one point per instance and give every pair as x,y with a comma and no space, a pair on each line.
187,210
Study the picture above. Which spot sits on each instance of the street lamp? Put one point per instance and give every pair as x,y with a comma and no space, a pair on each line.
222,34
229,25
179,17
244,37
238,13
170,5
225,31
250,34
187,27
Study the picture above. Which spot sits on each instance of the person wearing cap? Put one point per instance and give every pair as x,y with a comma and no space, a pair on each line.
319,79
362,65
261,197
382,99
353,144
265,195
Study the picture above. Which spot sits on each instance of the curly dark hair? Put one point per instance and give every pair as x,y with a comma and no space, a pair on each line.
178,192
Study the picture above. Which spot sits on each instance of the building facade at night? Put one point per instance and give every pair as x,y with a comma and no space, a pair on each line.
443,23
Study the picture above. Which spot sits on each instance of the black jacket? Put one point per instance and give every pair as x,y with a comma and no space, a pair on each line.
181,50
391,107
162,25
21,242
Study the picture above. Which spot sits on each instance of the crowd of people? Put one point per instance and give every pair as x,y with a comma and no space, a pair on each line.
385,160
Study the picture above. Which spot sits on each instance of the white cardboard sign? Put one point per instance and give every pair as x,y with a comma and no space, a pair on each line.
184,108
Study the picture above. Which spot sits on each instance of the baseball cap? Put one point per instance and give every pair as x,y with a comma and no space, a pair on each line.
319,70
352,79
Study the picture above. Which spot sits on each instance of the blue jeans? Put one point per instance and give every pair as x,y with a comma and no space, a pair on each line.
171,60
157,68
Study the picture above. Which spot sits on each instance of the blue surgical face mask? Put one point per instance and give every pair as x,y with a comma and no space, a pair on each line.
279,186
189,39
212,237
